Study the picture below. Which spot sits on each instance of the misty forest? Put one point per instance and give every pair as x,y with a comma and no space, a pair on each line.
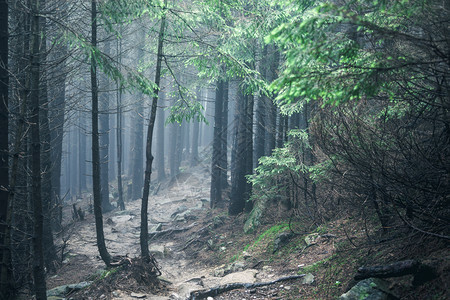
224,149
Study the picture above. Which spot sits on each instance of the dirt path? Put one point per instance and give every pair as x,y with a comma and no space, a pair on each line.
183,203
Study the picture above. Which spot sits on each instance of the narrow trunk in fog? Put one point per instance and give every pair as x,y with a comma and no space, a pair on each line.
95,147
38,230
120,202
160,166
137,153
216,180
223,161
148,151
195,134
104,138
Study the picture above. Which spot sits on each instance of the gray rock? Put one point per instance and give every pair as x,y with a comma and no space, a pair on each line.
281,240
63,290
157,251
369,289
310,239
308,279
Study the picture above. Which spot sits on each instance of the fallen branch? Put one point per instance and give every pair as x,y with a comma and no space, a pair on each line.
154,234
421,272
202,294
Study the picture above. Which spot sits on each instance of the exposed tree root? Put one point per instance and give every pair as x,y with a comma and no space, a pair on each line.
202,294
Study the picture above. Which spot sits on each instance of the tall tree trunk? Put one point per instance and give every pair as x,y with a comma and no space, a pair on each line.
57,113
104,138
160,168
216,180
148,151
271,109
261,114
95,146
38,253
4,156
224,152
195,134
120,202
240,188
137,153
50,256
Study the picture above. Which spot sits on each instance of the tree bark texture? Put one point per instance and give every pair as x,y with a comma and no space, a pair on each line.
4,156
240,188
148,151
96,148
104,138
38,230
216,180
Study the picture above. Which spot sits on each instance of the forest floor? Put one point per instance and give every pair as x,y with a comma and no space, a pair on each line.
199,249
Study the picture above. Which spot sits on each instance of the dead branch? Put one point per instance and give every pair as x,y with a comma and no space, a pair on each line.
422,273
202,294
154,234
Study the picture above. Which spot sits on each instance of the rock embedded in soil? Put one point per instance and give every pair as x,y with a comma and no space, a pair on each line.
369,289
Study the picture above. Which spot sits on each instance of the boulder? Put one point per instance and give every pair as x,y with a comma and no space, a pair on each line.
281,240
369,289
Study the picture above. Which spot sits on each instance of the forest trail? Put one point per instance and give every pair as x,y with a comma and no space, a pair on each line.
187,258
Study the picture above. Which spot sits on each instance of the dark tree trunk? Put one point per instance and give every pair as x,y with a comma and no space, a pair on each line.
224,152
148,151
240,188
38,230
82,154
195,134
19,198
57,112
271,110
50,256
104,138
96,148
261,115
160,166
4,156
216,180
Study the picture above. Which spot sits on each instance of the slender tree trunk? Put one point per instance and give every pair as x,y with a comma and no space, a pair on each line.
271,109
4,157
95,147
216,180
148,151
137,153
224,152
57,113
195,134
261,114
160,168
119,135
104,138
38,253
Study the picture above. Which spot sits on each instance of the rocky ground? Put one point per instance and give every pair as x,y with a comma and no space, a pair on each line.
201,253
